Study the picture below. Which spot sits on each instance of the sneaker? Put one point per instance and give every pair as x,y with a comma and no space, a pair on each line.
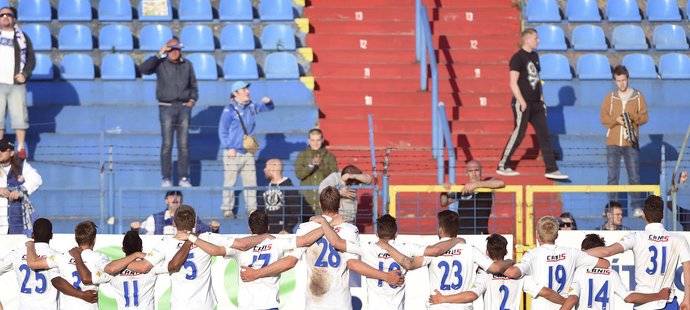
166,183
229,213
637,212
21,153
184,182
507,172
556,175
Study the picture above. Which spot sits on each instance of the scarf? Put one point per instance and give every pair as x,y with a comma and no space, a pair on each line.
21,40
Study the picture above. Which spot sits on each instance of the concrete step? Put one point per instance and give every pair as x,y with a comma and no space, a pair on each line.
395,13
369,41
369,27
384,98
405,71
364,56
484,85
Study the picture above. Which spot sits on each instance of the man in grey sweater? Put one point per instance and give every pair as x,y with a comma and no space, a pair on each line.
177,92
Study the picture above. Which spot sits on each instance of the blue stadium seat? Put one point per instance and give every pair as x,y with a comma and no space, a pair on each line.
237,37
582,11
152,37
149,77
205,67
663,11
589,38
669,37
4,3
629,38
115,11
278,37
240,66
276,10
75,38
281,65
150,14
43,69
235,10
551,38
118,67
115,37
74,10
640,66
623,11
542,11
34,11
674,66
554,67
594,67
197,38
195,10
77,67
39,34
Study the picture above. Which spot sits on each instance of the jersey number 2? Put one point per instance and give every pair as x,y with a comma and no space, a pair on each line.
505,292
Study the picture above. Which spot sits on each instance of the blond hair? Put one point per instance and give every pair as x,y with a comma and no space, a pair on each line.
547,229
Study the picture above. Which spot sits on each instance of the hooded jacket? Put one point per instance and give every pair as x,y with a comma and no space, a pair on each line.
613,106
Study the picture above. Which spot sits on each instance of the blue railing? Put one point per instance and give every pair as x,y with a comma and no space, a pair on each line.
445,132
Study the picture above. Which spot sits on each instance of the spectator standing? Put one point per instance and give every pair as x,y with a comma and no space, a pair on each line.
343,181
623,111
18,180
238,118
161,223
283,207
17,62
314,164
177,93
528,107
614,215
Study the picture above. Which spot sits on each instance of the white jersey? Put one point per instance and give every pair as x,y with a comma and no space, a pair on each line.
455,271
260,293
191,286
381,295
501,292
657,254
328,279
554,267
35,288
135,290
595,288
67,269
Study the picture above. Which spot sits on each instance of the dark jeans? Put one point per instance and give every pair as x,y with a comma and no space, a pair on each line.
631,157
175,119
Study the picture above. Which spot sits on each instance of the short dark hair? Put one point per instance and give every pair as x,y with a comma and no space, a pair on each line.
592,241
14,11
450,222
612,204
258,222
351,169
173,193
329,199
315,131
43,230
528,31
496,246
567,215
185,218
132,243
654,209
621,70
386,227
85,233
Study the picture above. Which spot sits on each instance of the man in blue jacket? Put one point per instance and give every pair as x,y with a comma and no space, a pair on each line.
238,119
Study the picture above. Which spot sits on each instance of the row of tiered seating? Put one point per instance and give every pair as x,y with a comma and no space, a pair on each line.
616,11
196,38
598,67
121,10
118,66
623,38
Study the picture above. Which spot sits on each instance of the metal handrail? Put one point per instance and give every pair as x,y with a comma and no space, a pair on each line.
425,45
674,186
445,130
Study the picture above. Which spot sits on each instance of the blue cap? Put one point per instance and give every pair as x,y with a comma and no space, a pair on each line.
238,85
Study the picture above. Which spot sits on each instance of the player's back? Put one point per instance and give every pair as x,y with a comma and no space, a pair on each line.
327,273
657,254
134,290
35,288
68,270
501,292
596,286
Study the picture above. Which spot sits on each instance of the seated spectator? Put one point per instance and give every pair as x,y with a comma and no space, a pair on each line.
349,176
567,222
614,215
284,207
161,223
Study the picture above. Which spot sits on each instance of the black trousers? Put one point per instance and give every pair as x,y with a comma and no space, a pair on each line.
535,114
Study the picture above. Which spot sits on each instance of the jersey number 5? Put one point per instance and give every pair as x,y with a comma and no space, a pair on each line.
191,266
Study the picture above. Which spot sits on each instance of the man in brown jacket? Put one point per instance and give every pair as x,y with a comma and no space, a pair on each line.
623,111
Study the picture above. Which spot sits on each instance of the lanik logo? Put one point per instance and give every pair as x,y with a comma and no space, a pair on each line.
599,271
262,248
555,258
654,238
452,252
336,229
384,255
499,277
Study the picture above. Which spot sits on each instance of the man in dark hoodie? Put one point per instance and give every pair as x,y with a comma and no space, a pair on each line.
313,165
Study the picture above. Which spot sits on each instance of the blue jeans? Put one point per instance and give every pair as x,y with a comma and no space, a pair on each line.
175,119
631,157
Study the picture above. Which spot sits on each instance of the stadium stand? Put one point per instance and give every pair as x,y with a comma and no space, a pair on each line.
663,11
152,37
669,37
629,38
195,10
39,35
205,66
237,37
235,10
543,11
278,37
74,10
75,37
44,68
554,67
281,65
640,66
34,11
276,10
240,66
115,11
674,66
118,67
77,67
115,37
623,11
582,11
594,67
197,38
551,38
589,38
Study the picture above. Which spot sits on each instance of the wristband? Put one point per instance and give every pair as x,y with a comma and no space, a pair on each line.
192,239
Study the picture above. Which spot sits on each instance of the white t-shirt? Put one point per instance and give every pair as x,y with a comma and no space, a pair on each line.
67,269
328,278
260,293
191,286
554,267
501,292
657,254
7,56
135,290
35,288
381,295
455,271
595,288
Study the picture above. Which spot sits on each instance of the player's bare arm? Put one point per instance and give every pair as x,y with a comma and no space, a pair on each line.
116,266
179,258
551,296
249,242
641,298
442,246
459,298
248,274
500,266
685,304
338,243
409,263
84,273
606,251
570,302
513,272
210,248
32,260
393,277
90,296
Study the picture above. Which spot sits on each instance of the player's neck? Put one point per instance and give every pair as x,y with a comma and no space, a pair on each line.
331,215
86,247
527,48
383,241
